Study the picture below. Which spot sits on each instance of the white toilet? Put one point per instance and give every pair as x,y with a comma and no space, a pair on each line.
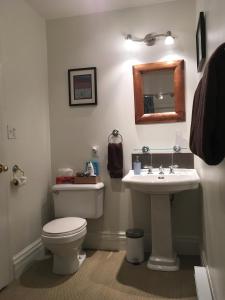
64,235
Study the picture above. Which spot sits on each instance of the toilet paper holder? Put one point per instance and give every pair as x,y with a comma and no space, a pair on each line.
16,169
18,176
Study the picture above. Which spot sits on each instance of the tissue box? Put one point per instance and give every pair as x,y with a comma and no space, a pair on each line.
87,180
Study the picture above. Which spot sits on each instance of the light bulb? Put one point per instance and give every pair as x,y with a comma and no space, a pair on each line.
129,44
169,40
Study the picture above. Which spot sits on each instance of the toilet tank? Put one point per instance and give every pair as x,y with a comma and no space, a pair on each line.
78,200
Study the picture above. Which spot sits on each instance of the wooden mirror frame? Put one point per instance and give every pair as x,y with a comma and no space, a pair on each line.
179,115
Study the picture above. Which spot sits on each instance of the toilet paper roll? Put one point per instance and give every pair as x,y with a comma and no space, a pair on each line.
18,181
65,172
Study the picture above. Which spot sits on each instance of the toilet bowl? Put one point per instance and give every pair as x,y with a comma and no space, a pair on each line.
64,237
73,203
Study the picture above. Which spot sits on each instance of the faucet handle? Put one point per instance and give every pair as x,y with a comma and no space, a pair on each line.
146,166
149,169
172,167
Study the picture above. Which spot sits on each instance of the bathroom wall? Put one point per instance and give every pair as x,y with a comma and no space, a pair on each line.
23,58
212,177
97,40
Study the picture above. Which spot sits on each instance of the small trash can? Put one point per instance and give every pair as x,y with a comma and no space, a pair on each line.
135,245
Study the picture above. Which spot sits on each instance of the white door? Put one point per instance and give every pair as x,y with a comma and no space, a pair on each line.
4,227
4,214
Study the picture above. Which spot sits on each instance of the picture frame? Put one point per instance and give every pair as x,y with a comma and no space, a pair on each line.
201,42
82,86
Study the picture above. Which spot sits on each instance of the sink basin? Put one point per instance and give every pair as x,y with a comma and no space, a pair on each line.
181,180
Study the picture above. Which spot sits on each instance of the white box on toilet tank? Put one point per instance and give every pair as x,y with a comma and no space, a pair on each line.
78,200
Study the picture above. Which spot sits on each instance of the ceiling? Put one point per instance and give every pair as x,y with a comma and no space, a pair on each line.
52,9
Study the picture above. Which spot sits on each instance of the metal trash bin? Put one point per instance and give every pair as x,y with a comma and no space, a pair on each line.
135,245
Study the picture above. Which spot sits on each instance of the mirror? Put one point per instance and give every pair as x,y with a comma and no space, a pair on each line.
159,92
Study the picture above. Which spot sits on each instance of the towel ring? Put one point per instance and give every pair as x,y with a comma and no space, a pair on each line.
115,133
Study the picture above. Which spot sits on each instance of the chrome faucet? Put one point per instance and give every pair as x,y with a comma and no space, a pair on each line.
172,167
161,170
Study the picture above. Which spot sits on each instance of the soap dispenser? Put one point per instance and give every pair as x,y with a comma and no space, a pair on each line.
90,169
137,166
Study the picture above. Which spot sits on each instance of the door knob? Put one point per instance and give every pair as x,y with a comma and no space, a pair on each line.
3,168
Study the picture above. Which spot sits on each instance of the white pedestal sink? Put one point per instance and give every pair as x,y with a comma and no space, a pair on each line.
160,188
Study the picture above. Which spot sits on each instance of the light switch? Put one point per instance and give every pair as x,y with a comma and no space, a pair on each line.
11,132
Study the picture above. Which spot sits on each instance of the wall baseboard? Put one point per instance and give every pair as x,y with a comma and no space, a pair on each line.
108,240
23,259
187,245
205,264
202,284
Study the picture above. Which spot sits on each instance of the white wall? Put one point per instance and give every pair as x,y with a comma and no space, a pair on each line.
96,40
23,58
212,177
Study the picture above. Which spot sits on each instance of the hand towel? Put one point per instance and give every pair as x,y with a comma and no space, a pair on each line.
115,160
207,135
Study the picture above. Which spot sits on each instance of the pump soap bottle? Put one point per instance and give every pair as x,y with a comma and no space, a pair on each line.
90,169
137,166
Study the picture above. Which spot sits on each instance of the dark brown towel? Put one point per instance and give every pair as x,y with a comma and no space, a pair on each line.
207,136
115,160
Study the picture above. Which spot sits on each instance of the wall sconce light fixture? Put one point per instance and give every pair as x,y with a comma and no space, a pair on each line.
150,38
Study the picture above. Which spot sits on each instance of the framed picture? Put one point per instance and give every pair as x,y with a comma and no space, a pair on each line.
82,86
201,42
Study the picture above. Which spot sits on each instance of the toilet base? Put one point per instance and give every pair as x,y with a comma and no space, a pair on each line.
64,265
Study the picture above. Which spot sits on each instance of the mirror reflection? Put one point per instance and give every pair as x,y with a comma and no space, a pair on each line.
158,91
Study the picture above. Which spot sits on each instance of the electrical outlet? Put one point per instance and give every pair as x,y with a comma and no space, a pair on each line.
11,132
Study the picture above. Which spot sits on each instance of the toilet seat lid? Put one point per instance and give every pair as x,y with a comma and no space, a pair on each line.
64,226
